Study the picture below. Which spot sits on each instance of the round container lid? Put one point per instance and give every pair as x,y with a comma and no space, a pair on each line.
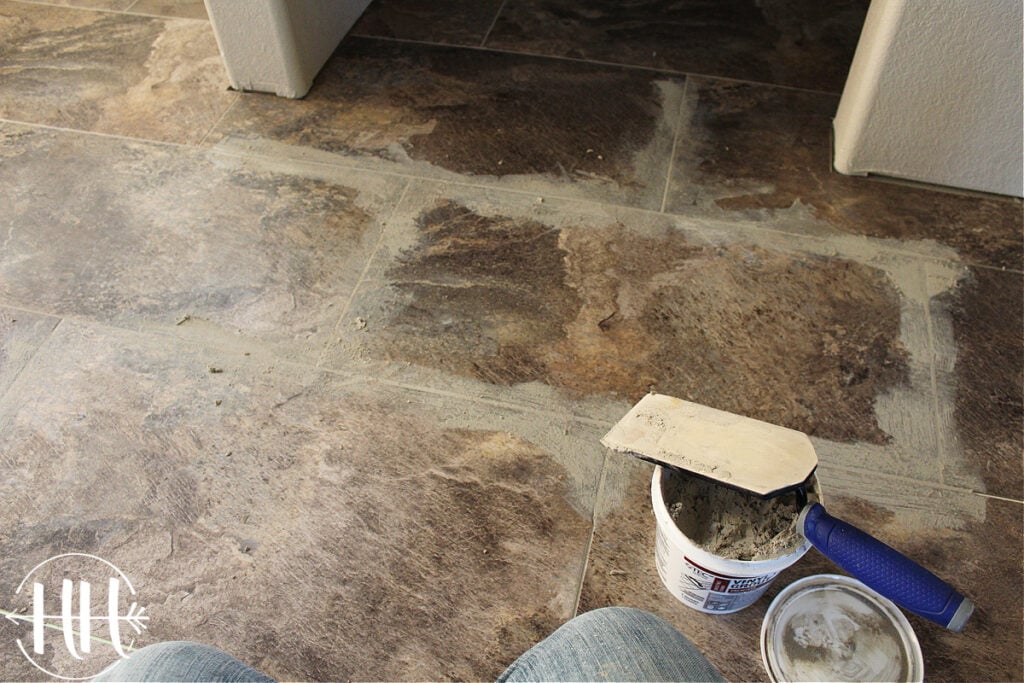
834,628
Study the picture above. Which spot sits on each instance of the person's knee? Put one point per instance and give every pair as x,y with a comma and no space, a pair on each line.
623,615
180,660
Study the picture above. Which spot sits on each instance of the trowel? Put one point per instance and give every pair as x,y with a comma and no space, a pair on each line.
768,460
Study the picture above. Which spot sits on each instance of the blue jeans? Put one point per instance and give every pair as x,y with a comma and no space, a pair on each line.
609,644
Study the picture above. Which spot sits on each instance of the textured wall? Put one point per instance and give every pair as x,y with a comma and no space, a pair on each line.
935,94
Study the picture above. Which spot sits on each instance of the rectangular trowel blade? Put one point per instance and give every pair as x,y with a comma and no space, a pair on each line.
737,451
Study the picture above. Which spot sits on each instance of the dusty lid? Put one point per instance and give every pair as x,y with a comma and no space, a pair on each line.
834,628
738,451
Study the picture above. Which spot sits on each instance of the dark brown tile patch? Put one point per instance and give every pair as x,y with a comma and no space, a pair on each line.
318,529
166,235
786,42
469,112
456,22
796,340
982,559
111,73
753,151
987,308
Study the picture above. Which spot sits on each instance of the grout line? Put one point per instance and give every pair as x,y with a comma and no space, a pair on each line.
104,10
936,422
479,398
80,131
354,164
420,388
166,332
387,223
593,532
220,118
598,62
1002,498
675,144
32,355
494,22
934,485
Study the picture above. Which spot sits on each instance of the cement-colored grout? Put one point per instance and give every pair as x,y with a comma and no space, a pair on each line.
31,356
675,145
81,131
385,225
220,118
352,376
936,422
354,165
1001,498
127,11
494,22
593,531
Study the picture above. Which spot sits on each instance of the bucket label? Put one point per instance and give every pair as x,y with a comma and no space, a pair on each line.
723,583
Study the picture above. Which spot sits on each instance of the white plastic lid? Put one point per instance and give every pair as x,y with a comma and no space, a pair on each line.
833,628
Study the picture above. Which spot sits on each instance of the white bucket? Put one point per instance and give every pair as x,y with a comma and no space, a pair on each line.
703,581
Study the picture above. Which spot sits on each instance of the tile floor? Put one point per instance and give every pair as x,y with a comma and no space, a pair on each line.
326,377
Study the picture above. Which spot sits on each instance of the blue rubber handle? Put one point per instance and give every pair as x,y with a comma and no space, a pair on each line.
885,570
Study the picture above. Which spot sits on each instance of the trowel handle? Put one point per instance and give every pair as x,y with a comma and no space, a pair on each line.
884,569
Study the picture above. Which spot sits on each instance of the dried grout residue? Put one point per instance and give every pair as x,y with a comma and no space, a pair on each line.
801,341
732,524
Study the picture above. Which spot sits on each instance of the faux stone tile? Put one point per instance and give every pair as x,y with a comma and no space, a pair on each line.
600,303
798,43
317,527
458,22
213,248
188,9
760,153
145,77
486,118
981,556
987,379
21,333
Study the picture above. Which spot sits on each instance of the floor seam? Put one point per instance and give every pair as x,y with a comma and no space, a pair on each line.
936,422
596,62
354,165
675,145
227,110
494,22
386,225
167,333
81,131
31,357
593,532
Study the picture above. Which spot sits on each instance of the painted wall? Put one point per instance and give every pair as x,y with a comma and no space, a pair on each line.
936,94
279,46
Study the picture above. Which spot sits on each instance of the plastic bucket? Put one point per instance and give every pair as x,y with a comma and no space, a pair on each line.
704,581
